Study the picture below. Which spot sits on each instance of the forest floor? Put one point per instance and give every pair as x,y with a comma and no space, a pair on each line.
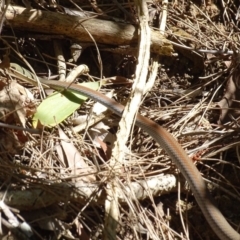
56,169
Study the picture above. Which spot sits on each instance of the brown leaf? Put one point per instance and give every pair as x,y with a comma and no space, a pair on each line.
74,159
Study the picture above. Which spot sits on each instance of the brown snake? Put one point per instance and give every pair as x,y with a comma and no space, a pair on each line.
212,214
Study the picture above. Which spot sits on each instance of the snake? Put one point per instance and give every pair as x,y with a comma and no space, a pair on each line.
213,215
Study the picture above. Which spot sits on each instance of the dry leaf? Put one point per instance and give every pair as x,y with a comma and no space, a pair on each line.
15,104
74,159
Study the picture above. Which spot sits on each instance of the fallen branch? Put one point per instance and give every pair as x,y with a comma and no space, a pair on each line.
45,195
104,32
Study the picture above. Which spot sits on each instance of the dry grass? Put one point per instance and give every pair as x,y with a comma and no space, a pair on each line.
186,100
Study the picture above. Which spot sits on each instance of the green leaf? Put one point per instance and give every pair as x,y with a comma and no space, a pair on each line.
57,107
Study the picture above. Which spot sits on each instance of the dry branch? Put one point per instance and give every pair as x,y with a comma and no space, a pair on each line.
45,195
104,32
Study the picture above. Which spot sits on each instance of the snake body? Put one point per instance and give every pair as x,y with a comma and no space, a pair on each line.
212,214
214,217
